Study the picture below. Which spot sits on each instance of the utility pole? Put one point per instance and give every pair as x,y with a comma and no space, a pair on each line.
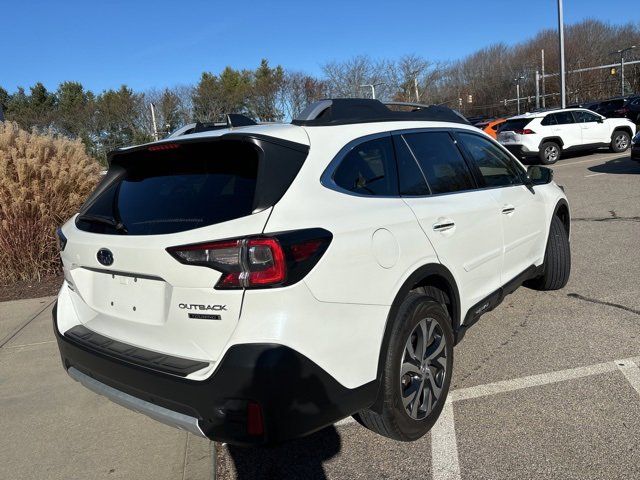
537,89
563,88
153,119
517,80
544,90
621,52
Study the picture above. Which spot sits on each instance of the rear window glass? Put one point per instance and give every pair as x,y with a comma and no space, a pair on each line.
513,125
177,190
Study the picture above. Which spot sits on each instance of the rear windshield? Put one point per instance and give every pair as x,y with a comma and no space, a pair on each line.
187,187
513,125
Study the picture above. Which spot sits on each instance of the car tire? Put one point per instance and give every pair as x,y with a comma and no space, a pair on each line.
549,153
421,346
557,260
620,141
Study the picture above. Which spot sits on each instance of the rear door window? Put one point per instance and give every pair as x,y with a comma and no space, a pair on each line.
564,118
176,190
441,162
369,169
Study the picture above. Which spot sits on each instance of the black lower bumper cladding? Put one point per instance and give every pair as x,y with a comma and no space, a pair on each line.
295,395
635,153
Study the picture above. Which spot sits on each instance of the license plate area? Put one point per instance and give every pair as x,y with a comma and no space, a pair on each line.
130,297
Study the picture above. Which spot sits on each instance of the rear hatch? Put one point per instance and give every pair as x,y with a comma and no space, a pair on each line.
124,283
511,130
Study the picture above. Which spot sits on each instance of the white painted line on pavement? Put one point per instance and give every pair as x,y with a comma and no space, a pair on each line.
582,161
594,174
444,447
530,381
631,371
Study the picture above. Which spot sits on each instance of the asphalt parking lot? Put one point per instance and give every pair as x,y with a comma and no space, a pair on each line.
545,386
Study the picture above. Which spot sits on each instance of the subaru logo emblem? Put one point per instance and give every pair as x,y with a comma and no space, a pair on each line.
105,257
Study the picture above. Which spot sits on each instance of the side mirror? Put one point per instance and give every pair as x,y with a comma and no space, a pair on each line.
538,175
600,120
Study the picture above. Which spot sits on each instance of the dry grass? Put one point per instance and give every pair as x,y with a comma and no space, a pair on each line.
44,179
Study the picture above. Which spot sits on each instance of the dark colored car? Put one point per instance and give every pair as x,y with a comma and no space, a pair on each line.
617,108
630,110
635,147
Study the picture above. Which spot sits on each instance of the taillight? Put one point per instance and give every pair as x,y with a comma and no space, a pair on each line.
524,131
258,262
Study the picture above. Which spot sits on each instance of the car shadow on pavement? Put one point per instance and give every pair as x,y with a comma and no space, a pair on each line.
620,165
299,459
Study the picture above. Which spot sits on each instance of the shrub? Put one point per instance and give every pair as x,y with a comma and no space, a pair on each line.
43,180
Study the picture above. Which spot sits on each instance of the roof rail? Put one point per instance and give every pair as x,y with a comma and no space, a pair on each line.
342,111
231,120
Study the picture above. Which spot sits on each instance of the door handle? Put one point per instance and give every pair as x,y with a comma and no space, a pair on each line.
507,209
444,226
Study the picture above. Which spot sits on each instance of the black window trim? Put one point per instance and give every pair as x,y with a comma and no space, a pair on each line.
327,177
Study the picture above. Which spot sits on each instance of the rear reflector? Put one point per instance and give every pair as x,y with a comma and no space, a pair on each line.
258,262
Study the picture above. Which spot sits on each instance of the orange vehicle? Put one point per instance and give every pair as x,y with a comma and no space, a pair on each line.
491,126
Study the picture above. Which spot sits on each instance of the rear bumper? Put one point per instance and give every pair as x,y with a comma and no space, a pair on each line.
520,151
296,396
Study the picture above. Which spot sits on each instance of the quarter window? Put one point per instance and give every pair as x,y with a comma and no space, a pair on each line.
440,161
496,167
369,169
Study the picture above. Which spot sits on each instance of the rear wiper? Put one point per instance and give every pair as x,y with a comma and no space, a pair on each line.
112,222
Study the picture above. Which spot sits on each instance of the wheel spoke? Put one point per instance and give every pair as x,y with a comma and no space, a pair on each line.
437,351
411,392
434,386
410,367
416,402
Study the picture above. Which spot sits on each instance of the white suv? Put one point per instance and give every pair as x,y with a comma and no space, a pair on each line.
547,134
254,284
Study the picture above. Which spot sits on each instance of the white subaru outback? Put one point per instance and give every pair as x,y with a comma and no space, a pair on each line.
255,283
546,135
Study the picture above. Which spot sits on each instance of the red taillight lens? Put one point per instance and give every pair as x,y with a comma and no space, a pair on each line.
163,146
255,424
266,262
258,262
524,131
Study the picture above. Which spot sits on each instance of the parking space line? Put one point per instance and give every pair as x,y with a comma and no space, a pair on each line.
530,381
583,161
594,174
631,372
444,447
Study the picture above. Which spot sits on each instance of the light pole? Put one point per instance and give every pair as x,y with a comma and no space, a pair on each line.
373,88
517,80
153,120
621,52
563,88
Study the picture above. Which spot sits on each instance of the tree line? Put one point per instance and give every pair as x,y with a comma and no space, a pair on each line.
482,83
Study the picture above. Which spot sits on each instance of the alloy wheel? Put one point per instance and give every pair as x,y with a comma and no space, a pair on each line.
423,369
551,153
621,142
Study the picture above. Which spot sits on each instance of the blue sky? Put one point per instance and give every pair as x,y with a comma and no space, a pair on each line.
147,44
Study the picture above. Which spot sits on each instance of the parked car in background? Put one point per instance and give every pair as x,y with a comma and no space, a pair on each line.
635,147
491,126
630,109
546,135
615,107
